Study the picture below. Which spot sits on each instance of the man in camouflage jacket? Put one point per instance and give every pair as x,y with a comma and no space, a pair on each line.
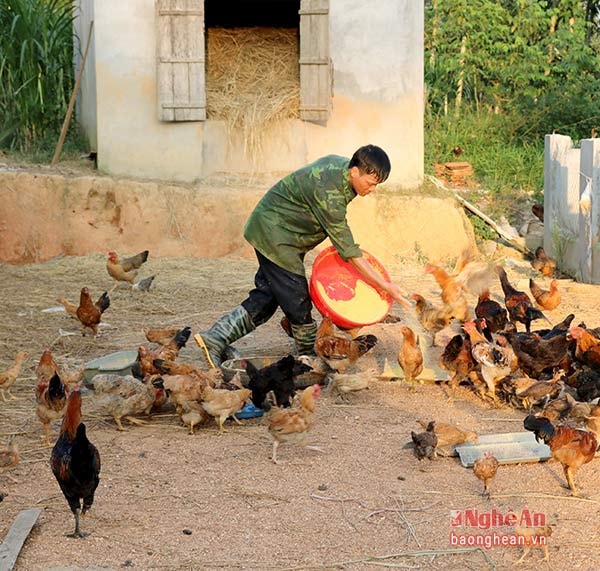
295,215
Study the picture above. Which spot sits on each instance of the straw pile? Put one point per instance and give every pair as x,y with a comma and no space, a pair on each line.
252,81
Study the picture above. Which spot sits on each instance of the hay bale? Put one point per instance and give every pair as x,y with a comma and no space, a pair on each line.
252,80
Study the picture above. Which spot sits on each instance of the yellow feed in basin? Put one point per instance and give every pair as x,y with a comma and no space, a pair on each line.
366,306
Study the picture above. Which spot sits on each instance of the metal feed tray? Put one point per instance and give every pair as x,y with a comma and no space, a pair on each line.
508,448
119,363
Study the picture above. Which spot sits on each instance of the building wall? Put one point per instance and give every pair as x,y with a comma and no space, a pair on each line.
377,54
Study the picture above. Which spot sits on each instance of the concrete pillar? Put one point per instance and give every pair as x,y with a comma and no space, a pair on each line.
561,202
589,248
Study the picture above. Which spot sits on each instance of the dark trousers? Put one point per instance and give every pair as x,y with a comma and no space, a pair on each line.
276,287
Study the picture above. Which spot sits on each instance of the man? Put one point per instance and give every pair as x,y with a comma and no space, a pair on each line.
295,215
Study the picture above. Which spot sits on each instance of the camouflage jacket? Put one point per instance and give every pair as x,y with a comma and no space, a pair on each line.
300,211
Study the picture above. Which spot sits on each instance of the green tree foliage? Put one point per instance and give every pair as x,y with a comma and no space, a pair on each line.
533,60
36,69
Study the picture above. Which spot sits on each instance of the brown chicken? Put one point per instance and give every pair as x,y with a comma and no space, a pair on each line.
51,397
46,368
9,456
425,442
538,211
485,469
292,425
494,314
337,351
9,376
221,404
410,356
587,350
144,364
184,388
571,447
90,313
165,367
432,318
541,535
519,305
70,308
548,299
160,336
449,436
543,263
458,360
126,269
124,396
452,292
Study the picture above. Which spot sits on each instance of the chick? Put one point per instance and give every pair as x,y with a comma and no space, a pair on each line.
527,533
9,456
485,469
425,442
449,435
344,384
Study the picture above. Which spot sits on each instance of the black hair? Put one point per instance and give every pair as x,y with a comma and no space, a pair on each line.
371,159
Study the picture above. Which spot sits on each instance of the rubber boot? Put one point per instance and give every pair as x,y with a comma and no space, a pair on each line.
304,337
227,329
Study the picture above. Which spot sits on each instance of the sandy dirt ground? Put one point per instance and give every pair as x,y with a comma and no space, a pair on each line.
173,501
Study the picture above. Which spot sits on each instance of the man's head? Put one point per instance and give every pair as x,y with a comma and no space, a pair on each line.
369,166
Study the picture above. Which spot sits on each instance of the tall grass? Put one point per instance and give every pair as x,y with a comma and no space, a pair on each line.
36,70
509,171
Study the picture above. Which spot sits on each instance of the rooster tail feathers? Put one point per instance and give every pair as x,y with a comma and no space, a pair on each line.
366,343
182,336
103,302
56,388
540,426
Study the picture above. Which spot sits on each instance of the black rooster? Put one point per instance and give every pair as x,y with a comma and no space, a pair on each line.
75,462
277,377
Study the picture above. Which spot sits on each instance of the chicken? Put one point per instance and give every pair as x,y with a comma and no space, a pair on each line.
587,350
51,398
292,425
9,456
519,305
536,355
182,388
545,299
70,308
496,361
541,534
340,352
347,383
485,469
124,396
433,319
494,314
46,368
144,364
410,356
458,360
89,313
452,292
425,442
543,263
449,435
193,414
75,463
160,336
143,285
538,211
571,447
457,151
277,377
126,269
9,376
221,404
540,393
212,377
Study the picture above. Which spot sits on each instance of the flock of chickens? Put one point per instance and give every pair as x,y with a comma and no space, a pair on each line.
553,373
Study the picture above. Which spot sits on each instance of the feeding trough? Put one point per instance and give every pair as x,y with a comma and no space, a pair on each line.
339,291
118,363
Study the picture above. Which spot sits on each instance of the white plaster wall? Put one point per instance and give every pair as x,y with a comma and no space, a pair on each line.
589,223
86,102
377,53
